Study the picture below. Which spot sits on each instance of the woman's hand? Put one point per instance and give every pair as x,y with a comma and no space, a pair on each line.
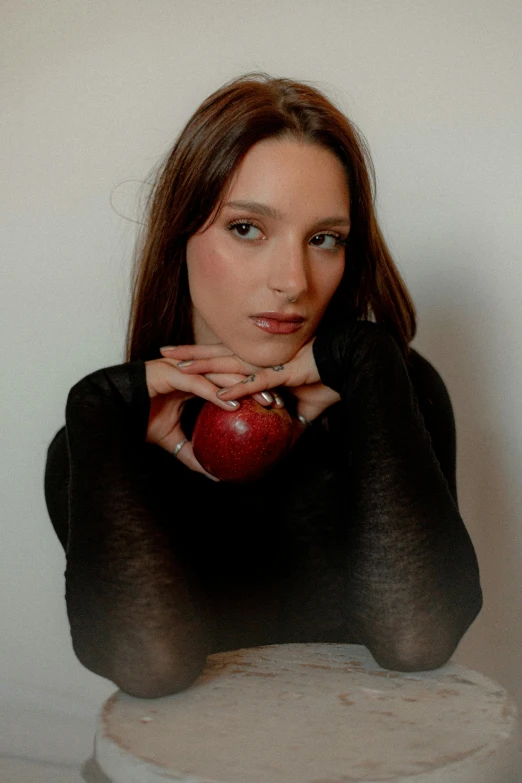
299,375
169,389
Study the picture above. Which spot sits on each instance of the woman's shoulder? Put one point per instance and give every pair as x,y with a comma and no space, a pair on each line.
437,411
56,484
427,380
126,381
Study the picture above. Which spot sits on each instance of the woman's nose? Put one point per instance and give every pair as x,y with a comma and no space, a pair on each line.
288,272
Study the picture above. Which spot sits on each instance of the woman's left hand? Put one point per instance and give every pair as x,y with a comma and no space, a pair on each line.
299,375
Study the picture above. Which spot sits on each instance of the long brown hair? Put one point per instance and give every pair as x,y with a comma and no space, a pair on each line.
193,180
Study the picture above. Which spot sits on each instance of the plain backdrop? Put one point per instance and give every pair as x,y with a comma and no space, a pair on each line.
92,96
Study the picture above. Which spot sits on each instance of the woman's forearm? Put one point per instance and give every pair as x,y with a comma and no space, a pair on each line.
413,584
135,616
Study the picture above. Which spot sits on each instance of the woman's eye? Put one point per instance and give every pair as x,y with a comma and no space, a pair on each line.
245,230
327,241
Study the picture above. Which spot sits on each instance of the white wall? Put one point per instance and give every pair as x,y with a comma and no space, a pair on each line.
92,96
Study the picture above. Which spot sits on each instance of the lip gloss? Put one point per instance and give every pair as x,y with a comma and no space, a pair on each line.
273,326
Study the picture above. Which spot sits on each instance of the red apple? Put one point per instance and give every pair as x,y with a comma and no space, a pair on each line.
243,444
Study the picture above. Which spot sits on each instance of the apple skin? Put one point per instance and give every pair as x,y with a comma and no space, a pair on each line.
243,444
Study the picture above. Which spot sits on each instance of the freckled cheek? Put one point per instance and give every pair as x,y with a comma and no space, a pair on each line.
214,275
204,267
205,275
327,285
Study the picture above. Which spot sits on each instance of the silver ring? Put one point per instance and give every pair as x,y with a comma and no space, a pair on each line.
304,421
179,447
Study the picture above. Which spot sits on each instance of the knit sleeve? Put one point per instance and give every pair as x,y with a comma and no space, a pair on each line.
413,584
135,614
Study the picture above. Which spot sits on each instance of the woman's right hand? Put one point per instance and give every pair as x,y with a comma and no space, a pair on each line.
169,389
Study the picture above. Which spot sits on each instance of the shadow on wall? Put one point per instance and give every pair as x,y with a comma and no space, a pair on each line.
452,331
92,773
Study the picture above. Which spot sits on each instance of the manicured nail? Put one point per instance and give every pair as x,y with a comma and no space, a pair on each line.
279,400
168,347
221,391
233,403
185,364
267,397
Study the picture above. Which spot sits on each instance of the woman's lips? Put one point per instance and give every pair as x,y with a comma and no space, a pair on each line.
278,324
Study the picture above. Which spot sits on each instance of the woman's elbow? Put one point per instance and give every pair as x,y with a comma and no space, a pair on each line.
427,647
413,657
154,685
148,677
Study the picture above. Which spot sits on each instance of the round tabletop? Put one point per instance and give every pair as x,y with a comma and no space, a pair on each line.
312,713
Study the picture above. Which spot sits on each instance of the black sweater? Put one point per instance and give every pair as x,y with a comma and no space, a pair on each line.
355,537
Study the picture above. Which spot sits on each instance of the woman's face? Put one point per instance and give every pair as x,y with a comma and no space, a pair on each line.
274,252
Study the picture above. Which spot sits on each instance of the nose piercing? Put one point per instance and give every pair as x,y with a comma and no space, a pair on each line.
291,301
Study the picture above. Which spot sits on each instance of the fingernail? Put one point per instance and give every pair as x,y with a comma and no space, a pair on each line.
279,400
267,397
185,364
168,347
233,403
220,392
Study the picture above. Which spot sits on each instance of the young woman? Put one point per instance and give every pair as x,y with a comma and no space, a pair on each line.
262,272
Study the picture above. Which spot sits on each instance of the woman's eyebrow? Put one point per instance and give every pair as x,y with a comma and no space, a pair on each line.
265,211
254,206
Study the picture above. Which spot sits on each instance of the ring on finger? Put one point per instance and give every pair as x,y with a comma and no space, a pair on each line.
179,446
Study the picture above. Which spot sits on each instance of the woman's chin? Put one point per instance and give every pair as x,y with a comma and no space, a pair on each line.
267,355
